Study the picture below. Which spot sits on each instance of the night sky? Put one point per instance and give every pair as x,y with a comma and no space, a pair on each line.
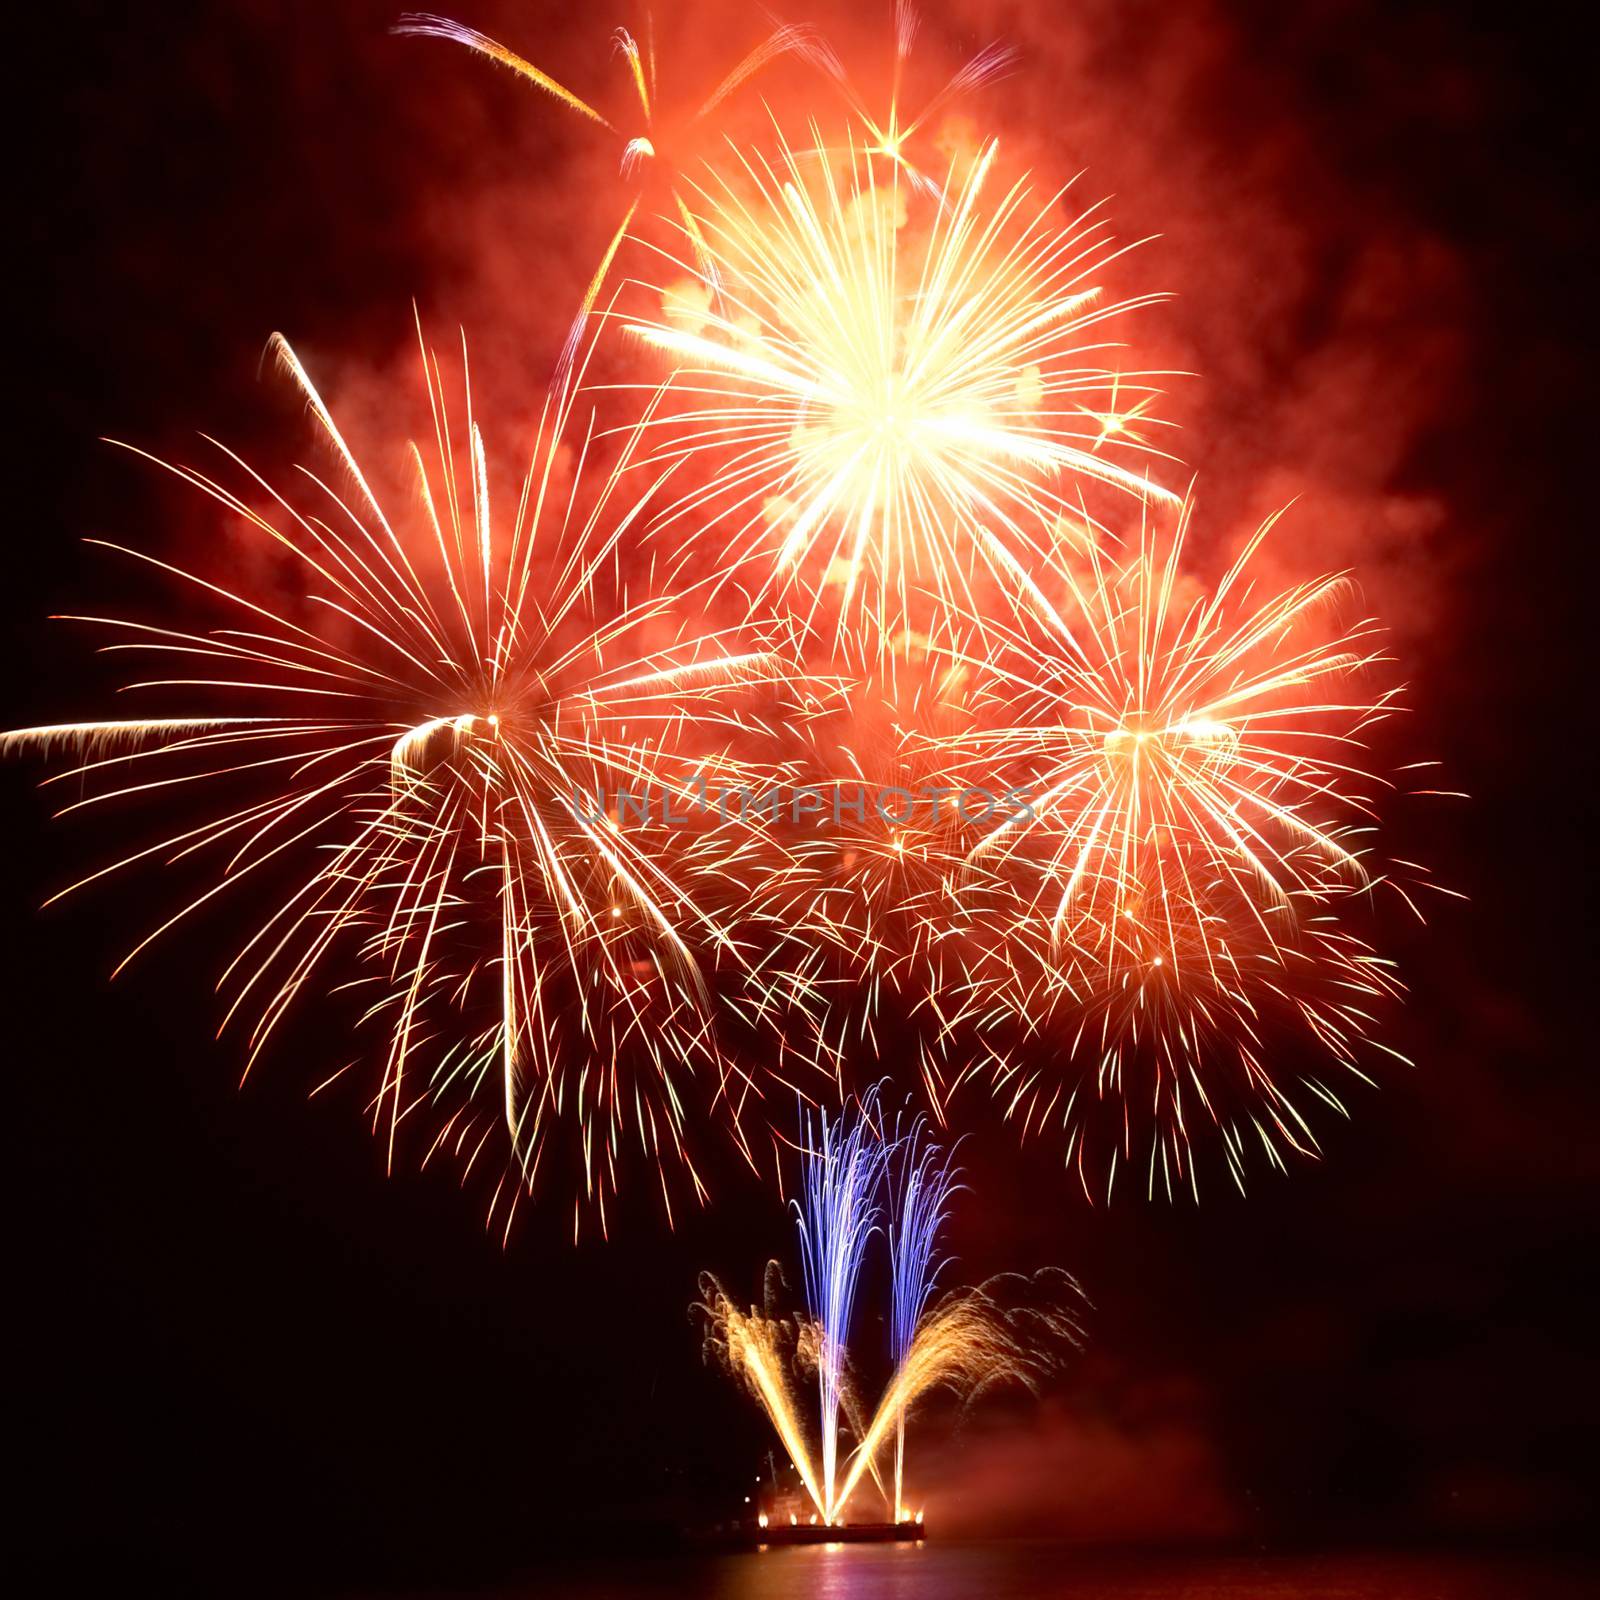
241,1337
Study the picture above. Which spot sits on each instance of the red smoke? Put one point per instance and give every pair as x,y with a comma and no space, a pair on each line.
1140,1466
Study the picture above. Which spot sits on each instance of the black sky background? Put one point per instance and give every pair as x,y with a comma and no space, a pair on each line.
240,1338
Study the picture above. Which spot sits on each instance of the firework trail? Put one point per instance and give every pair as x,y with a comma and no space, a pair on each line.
890,411
401,762
640,153
922,1182
889,132
1137,1066
836,1216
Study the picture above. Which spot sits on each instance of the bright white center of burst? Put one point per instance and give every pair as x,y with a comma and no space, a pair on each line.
888,417
1203,734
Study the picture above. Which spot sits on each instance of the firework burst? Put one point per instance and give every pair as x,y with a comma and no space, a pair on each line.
1199,807
1168,736
419,766
890,406
885,409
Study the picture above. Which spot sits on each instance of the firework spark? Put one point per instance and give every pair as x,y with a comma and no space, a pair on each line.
402,761
892,407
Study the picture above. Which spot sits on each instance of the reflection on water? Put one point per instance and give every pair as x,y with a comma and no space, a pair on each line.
1038,1571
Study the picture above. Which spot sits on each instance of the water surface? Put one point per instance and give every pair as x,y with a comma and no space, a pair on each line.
1043,1571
